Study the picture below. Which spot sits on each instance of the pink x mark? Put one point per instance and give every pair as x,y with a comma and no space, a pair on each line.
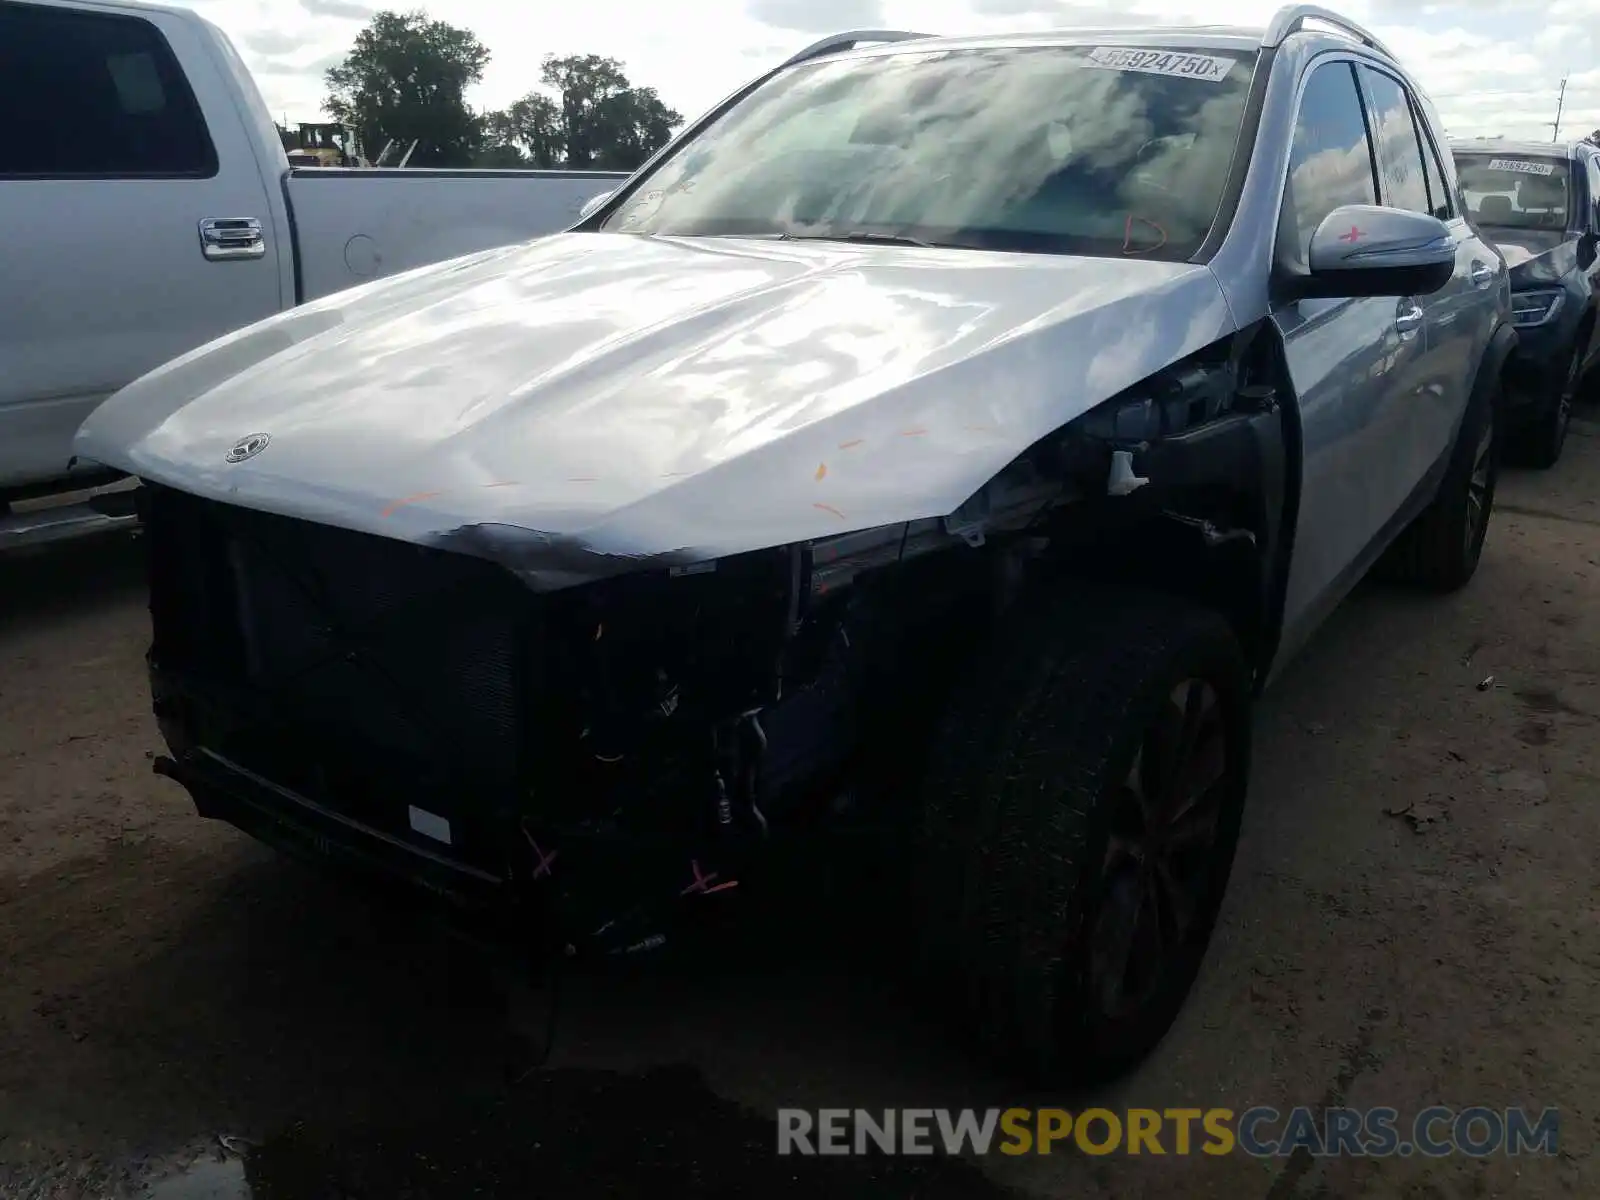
542,868
701,882
1355,235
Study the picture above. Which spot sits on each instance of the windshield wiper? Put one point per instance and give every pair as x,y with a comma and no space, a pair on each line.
862,236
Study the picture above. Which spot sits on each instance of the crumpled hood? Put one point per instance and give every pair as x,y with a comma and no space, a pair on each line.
642,396
1536,255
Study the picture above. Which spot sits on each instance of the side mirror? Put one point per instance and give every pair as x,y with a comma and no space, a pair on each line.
1363,250
592,203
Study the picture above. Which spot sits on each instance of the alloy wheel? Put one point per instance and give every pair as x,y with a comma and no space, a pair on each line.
1480,485
1569,391
1157,873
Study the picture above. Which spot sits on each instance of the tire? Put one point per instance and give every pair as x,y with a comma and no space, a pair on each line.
1440,550
1539,443
1027,811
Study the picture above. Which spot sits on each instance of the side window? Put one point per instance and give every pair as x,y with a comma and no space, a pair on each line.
94,94
1330,162
1399,149
1594,192
1443,206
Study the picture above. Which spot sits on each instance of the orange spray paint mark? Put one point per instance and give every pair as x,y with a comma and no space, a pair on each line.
822,469
912,432
402,502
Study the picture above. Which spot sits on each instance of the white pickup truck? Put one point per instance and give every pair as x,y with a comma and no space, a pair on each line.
147,207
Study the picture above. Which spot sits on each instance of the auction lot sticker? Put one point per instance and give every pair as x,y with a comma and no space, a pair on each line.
1523,165
1206,67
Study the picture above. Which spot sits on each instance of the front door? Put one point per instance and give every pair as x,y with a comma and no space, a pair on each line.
1459,317
108,166
1588,220
1355,363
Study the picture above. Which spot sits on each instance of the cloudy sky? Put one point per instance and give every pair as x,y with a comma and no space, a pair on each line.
1493,66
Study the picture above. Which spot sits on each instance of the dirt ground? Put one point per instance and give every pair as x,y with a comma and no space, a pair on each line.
166,981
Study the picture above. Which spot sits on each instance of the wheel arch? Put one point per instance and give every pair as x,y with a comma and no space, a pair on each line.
1491,366
1585,335
1212,516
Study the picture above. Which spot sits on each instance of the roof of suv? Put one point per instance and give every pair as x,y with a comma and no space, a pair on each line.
1185,36
1526,147
1289,22
1178,37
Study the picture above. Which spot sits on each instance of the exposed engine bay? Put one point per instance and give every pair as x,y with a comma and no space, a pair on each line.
592,756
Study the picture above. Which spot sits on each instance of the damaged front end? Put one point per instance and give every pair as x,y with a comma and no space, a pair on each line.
581,763
588,750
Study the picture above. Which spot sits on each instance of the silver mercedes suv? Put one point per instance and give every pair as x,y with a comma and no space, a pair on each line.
939,443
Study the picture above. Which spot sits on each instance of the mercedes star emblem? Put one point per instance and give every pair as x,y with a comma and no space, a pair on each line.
248,447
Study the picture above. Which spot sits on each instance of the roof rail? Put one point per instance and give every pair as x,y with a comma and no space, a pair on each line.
846,41
1292,18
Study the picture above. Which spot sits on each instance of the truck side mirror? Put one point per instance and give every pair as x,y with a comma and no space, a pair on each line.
592,203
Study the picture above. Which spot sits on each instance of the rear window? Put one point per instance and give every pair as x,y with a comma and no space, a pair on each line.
96,95
1515,191
1080,150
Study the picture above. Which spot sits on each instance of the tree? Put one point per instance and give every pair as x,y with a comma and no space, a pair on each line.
597,119
406,78
530,129
500,156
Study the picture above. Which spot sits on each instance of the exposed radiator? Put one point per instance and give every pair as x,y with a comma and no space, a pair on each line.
419,658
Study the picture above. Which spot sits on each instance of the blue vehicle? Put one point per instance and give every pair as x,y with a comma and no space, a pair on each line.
1537,202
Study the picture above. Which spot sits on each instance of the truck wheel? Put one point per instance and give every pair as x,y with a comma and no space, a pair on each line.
1440,550
1081,810
1539,443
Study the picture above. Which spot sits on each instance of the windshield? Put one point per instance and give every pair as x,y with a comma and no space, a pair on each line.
1074,150
1516,192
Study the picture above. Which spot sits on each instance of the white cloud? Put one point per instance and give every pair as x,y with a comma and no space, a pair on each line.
1493,66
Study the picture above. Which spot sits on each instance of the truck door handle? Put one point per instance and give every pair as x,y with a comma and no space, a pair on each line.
1482,274
229,239
1409,318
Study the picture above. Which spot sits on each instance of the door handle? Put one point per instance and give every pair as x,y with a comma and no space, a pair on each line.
1482,274
230,239
1409,318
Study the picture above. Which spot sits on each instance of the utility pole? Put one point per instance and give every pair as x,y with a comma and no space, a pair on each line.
1561,98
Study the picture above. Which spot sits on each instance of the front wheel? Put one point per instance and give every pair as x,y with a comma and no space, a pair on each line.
1082,809
1540,442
